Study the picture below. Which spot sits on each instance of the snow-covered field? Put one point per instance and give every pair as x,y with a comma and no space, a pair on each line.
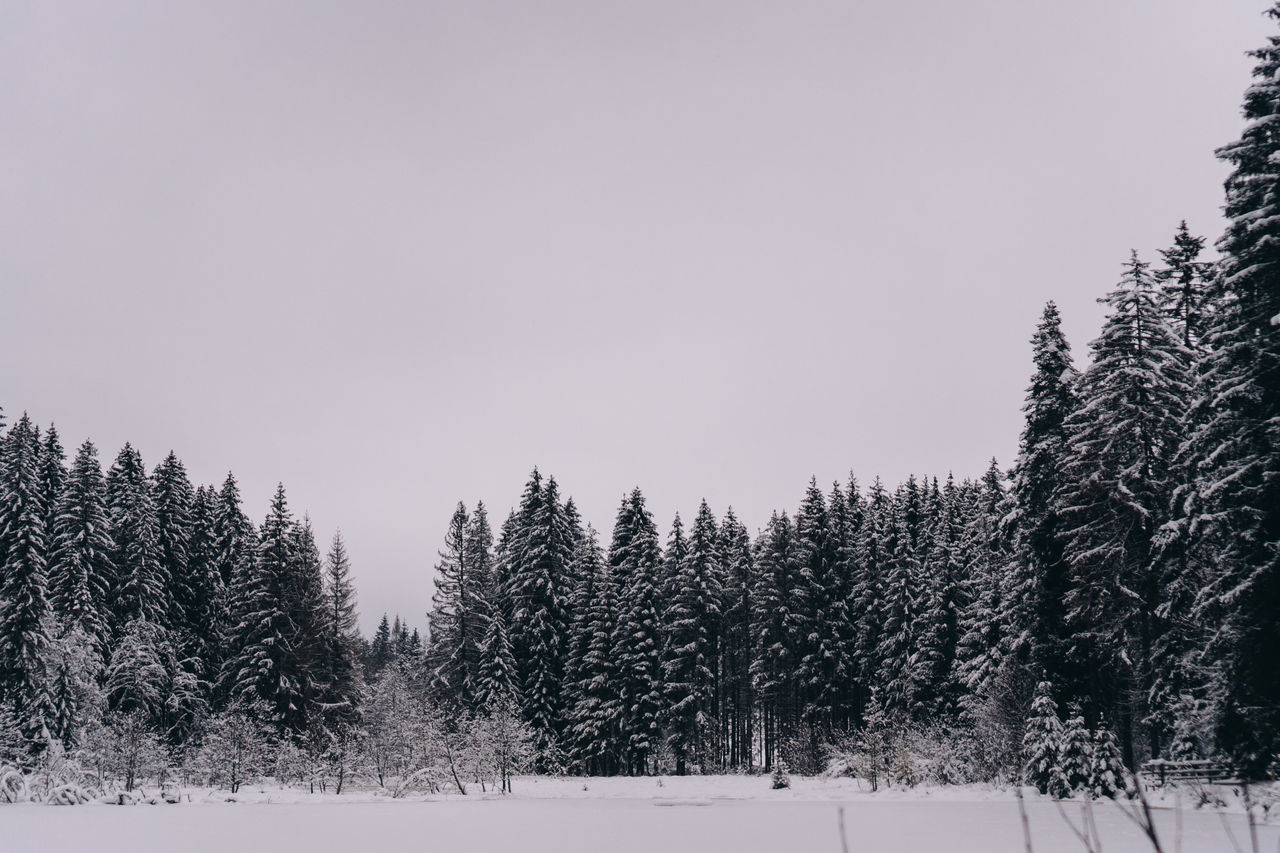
697,813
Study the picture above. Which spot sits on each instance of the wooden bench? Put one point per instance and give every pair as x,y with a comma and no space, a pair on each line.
1161,772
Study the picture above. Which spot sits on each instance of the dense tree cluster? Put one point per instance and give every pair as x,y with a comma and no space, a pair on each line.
1126,568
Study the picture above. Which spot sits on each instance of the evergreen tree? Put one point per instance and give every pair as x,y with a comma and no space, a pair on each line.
172,495
774,628
538,588
341,637
1039,576
52,476
1117,491
141,587
1234,449
455,618
1184,285
1075,754
24,609
1107,771
634,559
736,642
80,562
272,644
496,676
1042,745
594,708
688,668
380,651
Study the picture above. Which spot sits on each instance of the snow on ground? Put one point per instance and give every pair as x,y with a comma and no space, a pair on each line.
731,813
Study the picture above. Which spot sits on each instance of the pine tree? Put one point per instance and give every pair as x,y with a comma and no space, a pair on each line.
341,637
773,626
80,560
594,706
1075,754
1042,745
52,476
207,610
1117,491
496,676
454,618
820,600
736,642
1234,449
272,644
1107,771
1039,575
688,668
24,609
538,588
141,587
1184,285
380,651
172,496
869,565
634,559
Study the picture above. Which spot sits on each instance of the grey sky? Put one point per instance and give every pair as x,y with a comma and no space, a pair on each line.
396,254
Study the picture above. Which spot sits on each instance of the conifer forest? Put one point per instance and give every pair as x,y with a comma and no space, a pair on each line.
1109,597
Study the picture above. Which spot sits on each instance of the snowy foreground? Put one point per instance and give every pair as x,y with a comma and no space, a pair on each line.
682,814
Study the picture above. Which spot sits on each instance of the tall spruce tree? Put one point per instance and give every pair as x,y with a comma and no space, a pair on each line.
80,561
1235,446
689,664
1039,573
1116,494
25,684
634,561
141,586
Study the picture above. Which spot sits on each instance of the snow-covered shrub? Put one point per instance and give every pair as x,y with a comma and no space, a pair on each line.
780,777
995,720
124,749
234,748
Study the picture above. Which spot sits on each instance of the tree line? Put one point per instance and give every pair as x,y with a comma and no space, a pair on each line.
1125,568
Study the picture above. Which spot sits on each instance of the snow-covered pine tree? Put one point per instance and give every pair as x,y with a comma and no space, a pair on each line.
896,676
538,589
689,664
1107,770
984,640
52,476
207,611
172,495
736,642
595,710
634,560
25,686
1235,447
496,678
1075,752
141,587
235,541
824,604
80,558
342,689
1039,573
455,623
381,652
1042,745
866,602
1184,285
267,662
773,625
1116,494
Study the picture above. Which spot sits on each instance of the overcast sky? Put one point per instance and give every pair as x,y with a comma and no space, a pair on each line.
397,254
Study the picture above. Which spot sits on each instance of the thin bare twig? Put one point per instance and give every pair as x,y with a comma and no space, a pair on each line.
844,839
